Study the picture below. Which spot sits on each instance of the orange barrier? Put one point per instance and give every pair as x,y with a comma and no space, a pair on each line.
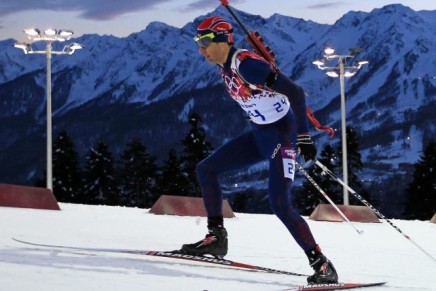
185,206
326,212
27,197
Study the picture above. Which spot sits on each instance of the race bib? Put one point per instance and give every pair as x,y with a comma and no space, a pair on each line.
288,159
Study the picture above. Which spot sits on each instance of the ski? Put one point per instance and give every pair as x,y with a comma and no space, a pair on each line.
334,286
170,254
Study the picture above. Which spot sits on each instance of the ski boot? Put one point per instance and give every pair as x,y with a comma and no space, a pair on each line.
214,244
324,271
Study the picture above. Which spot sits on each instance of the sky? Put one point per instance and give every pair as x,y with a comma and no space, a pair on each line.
380,254
121,18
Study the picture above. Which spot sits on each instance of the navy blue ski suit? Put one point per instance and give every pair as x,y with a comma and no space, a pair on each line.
276,107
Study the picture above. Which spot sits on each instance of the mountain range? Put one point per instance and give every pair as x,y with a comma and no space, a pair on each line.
146,84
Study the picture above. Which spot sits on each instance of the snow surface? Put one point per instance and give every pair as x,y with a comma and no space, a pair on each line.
380,254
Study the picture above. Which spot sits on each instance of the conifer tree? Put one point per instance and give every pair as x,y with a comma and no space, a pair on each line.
100,185
138,176
172,180
421,192
354,165
67,176
195,149
308,196
332,188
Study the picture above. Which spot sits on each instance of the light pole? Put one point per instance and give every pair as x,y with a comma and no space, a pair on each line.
342,70
49,36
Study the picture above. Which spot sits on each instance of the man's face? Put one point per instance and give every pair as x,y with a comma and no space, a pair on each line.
215,53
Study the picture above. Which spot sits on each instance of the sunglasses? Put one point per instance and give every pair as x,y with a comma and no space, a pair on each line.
205,40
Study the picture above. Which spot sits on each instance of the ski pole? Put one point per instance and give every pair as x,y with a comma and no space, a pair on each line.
327,197
330,173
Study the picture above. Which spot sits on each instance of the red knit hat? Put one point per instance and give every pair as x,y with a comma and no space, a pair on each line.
216,25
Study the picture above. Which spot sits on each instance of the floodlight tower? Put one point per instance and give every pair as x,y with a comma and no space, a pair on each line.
49,36
341,70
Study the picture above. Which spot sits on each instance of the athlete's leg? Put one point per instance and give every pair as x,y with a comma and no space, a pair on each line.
278,142
239,153
275,141
280,200
236,154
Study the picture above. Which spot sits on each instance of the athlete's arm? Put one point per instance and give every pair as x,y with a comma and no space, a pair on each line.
257,71
296,97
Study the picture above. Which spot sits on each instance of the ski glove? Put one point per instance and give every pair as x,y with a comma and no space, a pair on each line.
306,148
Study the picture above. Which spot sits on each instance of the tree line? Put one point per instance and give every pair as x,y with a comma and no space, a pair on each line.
132,179
135,178
415,194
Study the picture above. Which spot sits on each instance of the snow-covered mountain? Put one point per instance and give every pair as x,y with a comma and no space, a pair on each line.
146,84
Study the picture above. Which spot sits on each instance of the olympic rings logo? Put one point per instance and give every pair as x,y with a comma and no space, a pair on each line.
232,84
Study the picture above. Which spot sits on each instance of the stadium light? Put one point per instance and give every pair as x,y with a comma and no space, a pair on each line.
342,70
49,36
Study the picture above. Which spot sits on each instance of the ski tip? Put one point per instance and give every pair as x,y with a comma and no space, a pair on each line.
334,286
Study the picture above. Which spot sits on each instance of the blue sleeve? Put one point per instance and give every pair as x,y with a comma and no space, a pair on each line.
297,98
257,71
